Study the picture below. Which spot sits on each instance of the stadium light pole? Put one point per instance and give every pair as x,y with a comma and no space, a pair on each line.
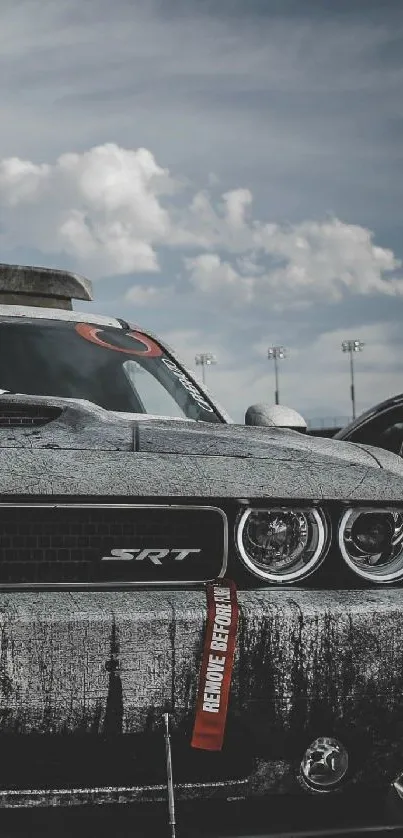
276,353
352,346
203,360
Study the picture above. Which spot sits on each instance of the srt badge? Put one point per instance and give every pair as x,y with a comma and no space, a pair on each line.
153,555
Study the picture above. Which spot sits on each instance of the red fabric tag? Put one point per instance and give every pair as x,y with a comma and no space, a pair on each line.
216,668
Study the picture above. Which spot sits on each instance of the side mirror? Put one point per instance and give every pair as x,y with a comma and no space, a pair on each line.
277,416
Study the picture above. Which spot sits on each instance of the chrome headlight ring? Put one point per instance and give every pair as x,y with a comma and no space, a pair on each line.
281,544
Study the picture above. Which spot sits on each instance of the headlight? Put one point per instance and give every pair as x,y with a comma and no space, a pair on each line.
282,544
371,543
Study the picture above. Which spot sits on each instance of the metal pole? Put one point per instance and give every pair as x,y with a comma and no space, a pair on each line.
352,382
276,353
203,360
170,782
352,346
277,395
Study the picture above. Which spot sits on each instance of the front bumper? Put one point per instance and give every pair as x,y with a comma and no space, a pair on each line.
89,674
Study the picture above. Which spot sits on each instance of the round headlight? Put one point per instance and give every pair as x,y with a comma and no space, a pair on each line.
282,544
371,543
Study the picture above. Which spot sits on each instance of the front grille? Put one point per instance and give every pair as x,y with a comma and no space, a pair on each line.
104,544
17,415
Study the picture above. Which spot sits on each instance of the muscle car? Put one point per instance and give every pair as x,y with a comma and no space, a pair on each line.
128,497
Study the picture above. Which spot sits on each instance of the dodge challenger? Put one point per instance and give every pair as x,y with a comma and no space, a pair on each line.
190,609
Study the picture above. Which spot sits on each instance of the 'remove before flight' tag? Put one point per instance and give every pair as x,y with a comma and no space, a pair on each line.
216,668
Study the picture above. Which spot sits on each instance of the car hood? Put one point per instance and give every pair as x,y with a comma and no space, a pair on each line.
79,448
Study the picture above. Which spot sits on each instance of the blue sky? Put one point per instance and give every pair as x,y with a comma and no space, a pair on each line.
229,175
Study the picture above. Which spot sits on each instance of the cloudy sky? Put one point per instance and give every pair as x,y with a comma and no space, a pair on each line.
228,173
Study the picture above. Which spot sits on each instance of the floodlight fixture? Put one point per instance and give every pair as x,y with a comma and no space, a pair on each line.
276,353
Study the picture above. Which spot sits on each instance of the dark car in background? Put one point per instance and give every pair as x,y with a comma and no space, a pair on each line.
381,426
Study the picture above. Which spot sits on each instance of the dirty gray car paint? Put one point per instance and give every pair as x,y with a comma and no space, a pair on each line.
92,668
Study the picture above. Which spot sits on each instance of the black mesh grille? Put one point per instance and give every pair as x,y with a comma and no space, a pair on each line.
53,545
15,415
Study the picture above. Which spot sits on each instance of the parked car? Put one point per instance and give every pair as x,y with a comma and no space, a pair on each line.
381,426
187,606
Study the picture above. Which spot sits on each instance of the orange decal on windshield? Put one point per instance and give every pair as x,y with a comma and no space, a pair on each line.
93,334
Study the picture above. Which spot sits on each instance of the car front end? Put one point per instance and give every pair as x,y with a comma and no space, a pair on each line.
113,527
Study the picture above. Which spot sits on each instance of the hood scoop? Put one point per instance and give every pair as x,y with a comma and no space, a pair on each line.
53,422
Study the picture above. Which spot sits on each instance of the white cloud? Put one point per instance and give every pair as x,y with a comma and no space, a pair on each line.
295,265
21,181
328,259
143,296
101,207
236,204
212,276
112,210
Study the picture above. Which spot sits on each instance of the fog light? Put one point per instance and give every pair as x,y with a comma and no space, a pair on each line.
325,764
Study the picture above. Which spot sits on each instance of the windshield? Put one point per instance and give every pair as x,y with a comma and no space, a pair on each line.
119,370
